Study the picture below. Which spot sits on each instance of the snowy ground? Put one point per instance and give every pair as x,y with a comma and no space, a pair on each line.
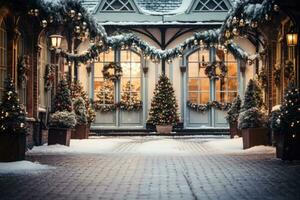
146,145
22,167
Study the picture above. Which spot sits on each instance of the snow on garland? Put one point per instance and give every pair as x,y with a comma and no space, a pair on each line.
242,16
204,107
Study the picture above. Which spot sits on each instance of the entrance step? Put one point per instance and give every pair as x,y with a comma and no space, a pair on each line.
145,132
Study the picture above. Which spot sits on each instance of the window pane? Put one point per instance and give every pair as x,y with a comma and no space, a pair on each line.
193,69
125,56
104,91
203,97
221,96
219,55
202,72
109,57
193,84
98,69
229,57
136,84
204,56
135,57
204,84
135,70
220,84
232,69
232,84
193,57
231,96
193,97
126,69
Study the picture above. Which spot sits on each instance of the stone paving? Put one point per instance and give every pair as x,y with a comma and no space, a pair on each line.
204,173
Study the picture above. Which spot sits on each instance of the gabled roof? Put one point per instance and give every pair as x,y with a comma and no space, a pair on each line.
126,12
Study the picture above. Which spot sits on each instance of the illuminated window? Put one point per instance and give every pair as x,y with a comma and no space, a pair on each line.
211,5
198,82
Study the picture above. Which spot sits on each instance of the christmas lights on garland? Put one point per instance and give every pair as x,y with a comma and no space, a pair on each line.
205,107
49,76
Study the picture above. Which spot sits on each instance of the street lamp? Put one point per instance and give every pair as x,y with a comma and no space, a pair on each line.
292,39
56,40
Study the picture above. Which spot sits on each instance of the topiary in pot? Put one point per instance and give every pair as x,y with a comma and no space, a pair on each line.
252,120
80,131
232,117
163,112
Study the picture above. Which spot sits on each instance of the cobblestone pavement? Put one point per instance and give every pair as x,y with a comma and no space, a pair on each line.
203,173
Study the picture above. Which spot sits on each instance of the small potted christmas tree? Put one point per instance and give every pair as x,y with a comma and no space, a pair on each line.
252,119
62,120
77,91
12,125
163,113
232,117
288,123
80,131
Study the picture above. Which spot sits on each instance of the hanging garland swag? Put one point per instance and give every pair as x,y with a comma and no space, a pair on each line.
117,71
208,105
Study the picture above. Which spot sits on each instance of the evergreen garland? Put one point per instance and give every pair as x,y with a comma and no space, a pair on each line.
21,66
49,76
12,113
164,105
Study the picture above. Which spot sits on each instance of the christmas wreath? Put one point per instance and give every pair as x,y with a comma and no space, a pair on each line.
22,68
263,78
204,107
49,76
117,71
289,69
277,76
211,73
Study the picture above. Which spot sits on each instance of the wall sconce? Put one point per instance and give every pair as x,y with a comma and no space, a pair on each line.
56,40
292,38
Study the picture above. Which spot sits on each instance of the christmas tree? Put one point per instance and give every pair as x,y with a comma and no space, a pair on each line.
106,94
253,96
234,111
163,106
289,117
12,114
62,100
130,100
78,91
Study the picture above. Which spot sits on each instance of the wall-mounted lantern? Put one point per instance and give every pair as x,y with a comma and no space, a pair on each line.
56,40
292,38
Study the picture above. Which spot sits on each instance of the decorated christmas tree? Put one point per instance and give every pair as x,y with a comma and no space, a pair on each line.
78,91
12,114
130,100
62,100
106,94
163,106
252,115
253,96
234,111
289,118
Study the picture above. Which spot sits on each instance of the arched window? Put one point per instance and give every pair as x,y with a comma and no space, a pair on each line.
3,56
43,60
198,82
226,89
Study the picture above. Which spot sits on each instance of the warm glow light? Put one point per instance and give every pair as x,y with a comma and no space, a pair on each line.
292,39
55,40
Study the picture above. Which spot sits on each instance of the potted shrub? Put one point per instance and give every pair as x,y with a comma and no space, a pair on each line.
163,113
12,125
232,117
252,120
288,137
80,131
62,120
78,91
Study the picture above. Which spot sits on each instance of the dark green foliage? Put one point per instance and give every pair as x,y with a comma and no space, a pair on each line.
274,120
233,112
251,118
290,109
163,106
80,111
253,96
62,100
12,113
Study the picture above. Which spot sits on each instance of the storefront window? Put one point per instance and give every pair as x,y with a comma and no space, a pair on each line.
3,57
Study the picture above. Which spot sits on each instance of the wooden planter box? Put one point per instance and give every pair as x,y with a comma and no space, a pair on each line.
80,132
59,136
233,129
254,136
288,146
12,147
164,129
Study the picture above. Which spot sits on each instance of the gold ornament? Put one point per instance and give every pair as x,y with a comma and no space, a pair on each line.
254,24
77,29
227,34
36,12
72,13
267,17
235,31
84,25
234,20
44,23
276,8
242,23
79,15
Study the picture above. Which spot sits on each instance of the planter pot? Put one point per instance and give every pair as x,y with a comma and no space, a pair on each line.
288,146
88,130
12,147
254,136
80,132
234,131
59,136
164,129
